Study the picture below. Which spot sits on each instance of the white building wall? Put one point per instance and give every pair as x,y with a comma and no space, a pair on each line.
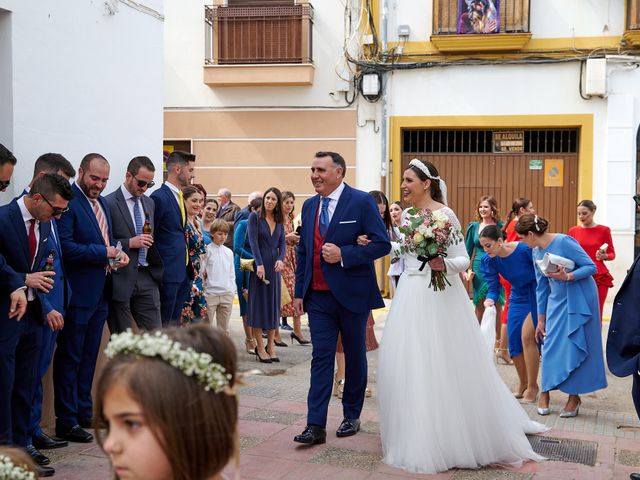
83,80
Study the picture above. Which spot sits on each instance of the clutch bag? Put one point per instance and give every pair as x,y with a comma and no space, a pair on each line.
551,263
246,264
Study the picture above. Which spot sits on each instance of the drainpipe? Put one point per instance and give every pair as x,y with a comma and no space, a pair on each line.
383,120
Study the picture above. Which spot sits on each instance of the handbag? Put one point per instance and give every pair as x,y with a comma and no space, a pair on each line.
285,298
246,264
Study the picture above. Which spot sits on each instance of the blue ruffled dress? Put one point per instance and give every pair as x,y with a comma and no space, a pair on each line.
572,359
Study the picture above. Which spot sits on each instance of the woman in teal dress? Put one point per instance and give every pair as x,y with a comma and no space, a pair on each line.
487,214
195,305
568,317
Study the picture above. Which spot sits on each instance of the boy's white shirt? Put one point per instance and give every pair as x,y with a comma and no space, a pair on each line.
221,274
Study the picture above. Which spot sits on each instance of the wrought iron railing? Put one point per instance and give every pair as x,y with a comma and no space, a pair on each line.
258,35
514,16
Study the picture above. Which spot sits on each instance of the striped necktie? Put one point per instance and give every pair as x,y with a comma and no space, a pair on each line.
102,222
137,216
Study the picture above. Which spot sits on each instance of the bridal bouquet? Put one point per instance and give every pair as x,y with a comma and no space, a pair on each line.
428,234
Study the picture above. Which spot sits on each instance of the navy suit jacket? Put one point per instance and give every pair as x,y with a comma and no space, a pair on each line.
14,245
623,341
124,279
353,283
169,236
83,249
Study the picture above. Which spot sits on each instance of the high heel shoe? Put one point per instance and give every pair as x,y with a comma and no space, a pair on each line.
500,357
571,414
300,340
258,357
249,345
273,359
280,343
338,387
544,411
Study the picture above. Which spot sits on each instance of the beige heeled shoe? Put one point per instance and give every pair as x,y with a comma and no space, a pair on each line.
250,344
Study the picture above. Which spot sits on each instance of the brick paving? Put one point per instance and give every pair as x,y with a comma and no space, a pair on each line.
273,410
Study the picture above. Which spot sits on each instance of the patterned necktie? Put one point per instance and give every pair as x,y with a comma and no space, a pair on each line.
323,220
137,216
102,222
33,243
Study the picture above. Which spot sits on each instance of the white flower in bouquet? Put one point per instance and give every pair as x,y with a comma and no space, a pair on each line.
440,218
418,238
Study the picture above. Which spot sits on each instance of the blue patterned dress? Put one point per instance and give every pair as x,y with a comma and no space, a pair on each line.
572,359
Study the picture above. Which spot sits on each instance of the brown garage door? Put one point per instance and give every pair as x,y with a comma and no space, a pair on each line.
472,167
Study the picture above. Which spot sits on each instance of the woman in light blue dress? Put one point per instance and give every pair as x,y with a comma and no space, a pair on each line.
513,261
568,317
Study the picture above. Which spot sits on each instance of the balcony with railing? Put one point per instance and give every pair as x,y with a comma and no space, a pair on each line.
513,28
258,45
632,28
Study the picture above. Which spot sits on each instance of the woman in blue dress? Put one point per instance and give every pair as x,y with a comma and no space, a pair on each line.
568,317
513,261
265,230
242,249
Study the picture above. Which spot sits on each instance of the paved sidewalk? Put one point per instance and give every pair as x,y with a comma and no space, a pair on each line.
273,410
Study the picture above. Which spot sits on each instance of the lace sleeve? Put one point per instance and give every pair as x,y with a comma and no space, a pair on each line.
457,260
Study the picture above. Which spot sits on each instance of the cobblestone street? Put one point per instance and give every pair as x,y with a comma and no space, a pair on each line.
273,410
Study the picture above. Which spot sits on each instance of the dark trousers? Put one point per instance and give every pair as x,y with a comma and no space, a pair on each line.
49,338
143,307
75,363
20,344
327,318
172,298
635,392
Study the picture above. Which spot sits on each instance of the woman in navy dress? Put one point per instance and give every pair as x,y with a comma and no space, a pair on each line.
568,317
265,231
513,261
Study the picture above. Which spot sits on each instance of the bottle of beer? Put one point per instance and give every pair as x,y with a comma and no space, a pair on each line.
146,228
48,266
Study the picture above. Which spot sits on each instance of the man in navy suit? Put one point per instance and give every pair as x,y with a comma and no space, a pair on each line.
135,293
170,219
24,240
89,255
336,285
54,304
623,340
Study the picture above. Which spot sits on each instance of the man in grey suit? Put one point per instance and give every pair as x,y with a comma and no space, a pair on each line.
135,293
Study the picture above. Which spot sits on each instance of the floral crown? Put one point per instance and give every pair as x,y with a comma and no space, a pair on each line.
9,471
193,364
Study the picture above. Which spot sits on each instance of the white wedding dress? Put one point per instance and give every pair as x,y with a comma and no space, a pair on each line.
441,401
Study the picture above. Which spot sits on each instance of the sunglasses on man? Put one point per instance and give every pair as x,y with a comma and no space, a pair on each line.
142,183
56,210
4,184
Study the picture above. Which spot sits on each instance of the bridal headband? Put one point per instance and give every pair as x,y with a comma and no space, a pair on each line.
424,169
200,365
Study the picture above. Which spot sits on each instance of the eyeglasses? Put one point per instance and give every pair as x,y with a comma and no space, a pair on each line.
56,210
636,199
4,184
142,183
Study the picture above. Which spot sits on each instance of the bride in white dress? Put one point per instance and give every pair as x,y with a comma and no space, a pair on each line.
441,401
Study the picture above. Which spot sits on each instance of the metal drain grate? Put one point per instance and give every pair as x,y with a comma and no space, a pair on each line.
565,449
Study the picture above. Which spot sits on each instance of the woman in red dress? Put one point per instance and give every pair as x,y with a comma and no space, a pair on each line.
596,241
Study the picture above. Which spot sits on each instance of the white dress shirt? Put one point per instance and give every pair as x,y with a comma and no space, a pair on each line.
334,197
26,218
130,200
221,274
176,191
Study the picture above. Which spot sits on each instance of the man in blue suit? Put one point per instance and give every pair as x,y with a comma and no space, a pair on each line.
54,306
623,340
24,240
89,255
170,219
336,284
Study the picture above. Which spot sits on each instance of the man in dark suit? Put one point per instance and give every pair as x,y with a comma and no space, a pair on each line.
89,254
336,284
227,212
24,240
135,294
623,340
243,214
54,305
169,238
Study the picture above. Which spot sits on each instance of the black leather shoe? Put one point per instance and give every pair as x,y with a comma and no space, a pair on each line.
312,435
45,441
44,471
635,476
348,427
75,434
38,457
86,422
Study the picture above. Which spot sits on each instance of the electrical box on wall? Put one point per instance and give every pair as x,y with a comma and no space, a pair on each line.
595,81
